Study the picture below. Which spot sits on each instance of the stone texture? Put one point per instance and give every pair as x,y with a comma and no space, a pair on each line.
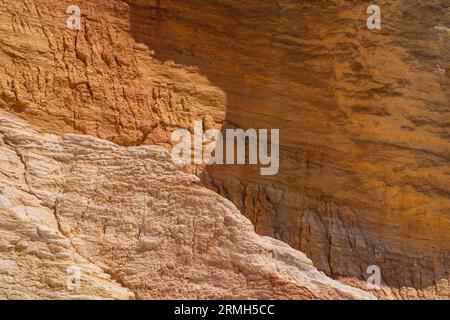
136,225
97,81
364,115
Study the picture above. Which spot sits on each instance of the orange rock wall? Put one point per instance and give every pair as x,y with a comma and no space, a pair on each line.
364,119
364,115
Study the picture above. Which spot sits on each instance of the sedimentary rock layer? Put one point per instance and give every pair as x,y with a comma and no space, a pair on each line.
363,114
364,118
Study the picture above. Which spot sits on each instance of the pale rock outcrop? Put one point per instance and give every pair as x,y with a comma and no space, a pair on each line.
135,225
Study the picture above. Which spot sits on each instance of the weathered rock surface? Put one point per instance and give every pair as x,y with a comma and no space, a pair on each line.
98,80
136,225
364,115
364,118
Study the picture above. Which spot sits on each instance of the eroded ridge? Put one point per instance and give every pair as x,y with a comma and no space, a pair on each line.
135,224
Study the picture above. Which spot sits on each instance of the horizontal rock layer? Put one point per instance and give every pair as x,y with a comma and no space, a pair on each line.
363,117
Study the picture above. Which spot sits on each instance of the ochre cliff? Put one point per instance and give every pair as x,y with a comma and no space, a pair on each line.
364,119
364,115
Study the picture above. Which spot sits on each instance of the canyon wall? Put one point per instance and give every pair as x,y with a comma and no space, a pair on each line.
364,118
364,115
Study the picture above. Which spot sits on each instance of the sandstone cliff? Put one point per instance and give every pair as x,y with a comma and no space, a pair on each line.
364,115
364,119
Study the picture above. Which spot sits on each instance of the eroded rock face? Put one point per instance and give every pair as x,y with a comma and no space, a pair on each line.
134,224
364,121
99,80
363,115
